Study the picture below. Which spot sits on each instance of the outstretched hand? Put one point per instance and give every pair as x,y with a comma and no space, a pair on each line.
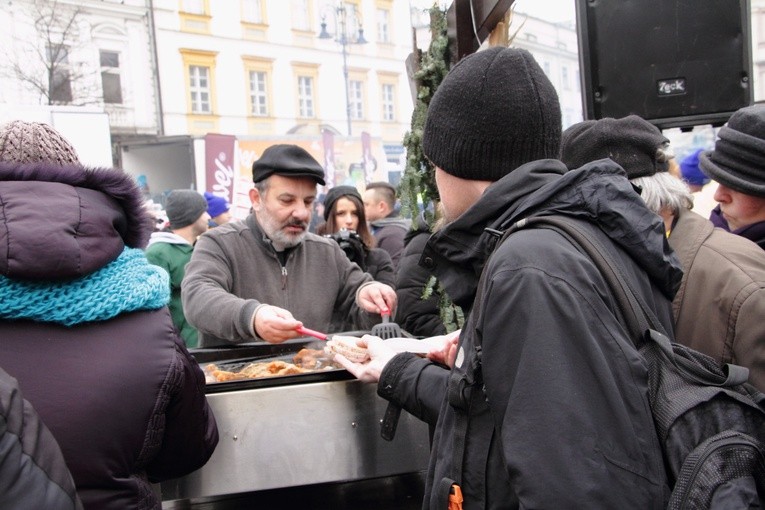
379,356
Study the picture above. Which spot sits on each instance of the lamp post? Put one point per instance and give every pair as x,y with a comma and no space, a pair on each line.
341,36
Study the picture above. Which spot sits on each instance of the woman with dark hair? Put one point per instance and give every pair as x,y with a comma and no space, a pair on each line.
346,223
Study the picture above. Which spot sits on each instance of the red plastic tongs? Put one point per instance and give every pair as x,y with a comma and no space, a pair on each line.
313,333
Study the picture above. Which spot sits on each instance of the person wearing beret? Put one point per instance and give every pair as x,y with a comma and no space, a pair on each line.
719,306
344,217
171,249
544,404
737,163
264,277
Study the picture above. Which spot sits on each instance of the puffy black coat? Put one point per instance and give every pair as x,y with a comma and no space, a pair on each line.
561,419
418,316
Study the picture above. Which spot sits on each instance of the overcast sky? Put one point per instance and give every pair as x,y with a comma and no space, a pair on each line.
549,10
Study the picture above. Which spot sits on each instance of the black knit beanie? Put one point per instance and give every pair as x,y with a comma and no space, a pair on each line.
632,142
338,192
738,159
493,112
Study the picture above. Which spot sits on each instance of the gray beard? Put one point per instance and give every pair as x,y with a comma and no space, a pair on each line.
280,240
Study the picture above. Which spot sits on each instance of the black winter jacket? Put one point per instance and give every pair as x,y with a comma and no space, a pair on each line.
418,316
560,415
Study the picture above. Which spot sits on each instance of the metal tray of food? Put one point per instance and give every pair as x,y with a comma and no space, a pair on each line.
234,359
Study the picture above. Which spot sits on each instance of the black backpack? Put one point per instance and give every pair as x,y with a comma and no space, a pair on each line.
710,421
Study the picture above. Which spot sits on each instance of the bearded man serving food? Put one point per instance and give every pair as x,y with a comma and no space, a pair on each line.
253,279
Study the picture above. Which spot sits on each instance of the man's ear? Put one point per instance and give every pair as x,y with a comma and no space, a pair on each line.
255,199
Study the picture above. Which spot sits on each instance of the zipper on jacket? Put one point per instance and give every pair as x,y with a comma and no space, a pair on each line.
284,277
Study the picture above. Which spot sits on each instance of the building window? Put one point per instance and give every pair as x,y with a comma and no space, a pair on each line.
199,86
301,15
383,23
195,16
388,102
564,78
305,96
352,19
193,6
110,77
60,85
356,99
252,11
258,94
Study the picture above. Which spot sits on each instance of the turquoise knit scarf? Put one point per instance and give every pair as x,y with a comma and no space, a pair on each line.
126,284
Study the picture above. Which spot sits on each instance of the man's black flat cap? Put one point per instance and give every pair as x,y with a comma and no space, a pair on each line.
289,161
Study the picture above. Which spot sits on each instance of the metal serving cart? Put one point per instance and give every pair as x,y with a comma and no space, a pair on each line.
308,440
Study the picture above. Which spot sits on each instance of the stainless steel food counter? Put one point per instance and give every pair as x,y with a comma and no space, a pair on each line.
319,432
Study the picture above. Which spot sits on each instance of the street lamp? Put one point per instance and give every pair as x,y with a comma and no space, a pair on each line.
341,14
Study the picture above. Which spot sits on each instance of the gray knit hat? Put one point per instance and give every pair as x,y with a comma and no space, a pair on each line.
738,159
632,142
184,207
494,111
35,142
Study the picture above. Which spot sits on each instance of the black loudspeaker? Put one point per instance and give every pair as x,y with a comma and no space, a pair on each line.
676,63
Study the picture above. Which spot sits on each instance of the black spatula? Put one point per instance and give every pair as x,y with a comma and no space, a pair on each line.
386,329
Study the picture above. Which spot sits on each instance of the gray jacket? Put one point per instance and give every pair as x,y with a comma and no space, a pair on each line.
389,234
234,268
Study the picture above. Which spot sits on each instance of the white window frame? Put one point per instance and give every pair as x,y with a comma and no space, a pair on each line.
199,88
356,99
258,93
305,97
388,100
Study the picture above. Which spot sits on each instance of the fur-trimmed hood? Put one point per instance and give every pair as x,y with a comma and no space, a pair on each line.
64,222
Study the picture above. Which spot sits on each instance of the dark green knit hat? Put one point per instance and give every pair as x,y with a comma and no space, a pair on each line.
495,111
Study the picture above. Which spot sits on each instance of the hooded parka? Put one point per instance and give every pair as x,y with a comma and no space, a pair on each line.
559,414
85,330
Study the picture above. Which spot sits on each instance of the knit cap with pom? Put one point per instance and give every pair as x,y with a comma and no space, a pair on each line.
494,111
35,142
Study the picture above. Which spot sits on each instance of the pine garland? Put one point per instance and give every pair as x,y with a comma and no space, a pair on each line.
418,181
418,185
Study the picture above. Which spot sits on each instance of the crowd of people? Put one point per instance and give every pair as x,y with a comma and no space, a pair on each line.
99,306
